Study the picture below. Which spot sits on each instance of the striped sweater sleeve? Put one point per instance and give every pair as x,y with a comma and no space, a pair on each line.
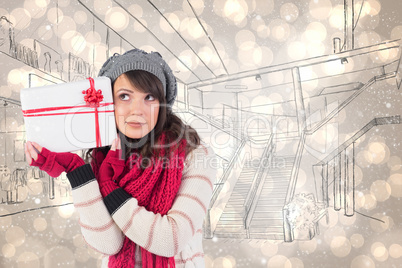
99,230
169,234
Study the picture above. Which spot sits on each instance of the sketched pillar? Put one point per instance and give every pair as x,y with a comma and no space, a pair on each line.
321,183
300,111
337,182
349,24
349,181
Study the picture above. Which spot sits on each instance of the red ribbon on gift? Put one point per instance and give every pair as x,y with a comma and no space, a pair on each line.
92,99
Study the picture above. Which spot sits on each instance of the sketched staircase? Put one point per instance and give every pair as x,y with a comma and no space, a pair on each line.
266,220
231,222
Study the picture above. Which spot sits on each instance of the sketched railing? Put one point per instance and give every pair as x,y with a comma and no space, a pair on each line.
24,54
215,124
252,195
288,237
351,98
339,165
218,187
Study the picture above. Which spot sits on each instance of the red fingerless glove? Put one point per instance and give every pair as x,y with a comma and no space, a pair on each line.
55,163
110,172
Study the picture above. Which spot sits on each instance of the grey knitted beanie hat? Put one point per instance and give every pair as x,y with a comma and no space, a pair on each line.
137,59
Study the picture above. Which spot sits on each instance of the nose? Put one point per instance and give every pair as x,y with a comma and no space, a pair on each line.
137,107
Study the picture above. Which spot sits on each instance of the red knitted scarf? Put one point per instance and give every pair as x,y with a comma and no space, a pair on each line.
155,187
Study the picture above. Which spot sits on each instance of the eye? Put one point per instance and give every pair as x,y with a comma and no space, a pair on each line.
123,97
150,97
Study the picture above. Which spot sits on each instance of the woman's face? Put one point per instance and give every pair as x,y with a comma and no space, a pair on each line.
136,112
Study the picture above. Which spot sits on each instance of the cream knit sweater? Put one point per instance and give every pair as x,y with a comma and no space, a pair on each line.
105,222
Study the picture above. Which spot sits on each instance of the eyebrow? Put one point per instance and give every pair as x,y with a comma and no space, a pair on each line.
124,89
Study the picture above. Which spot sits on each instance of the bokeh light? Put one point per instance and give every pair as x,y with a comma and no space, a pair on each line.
395,251
269,249
15,76
67,28
308,246
379,251
21,18
362,261
357,240
396,32
381,190
80,17
297,50
59,256
279,30
394,163
235,11
66,211
395,181
117,18
320,10
8,250
382,224
102,6
55,15
40,224
336,18
289,12
28,259
35,10
15,235
368,38
279,261
340,246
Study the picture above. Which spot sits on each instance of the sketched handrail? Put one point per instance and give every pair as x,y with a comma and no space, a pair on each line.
257,179
287,232
348,100
214,123
226,173
295,169
375,122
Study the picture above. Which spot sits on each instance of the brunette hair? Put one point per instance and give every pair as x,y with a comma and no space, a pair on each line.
167,122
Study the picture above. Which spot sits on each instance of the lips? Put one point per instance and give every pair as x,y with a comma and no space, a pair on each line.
135,124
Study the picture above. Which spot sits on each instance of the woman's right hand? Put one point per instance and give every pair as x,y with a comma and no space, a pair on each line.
50,162
32,151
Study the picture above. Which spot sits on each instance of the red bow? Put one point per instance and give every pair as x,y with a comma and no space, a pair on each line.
93,97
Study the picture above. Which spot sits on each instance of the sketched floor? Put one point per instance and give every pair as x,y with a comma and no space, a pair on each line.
371,238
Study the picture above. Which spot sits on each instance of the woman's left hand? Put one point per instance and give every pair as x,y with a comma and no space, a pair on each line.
111,169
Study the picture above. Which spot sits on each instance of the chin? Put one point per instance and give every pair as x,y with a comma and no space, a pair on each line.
136,134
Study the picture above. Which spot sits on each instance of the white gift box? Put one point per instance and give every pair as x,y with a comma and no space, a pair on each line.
60,119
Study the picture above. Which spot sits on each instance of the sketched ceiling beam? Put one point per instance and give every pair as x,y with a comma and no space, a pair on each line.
93,14
393,44
182,37
150,32
206,33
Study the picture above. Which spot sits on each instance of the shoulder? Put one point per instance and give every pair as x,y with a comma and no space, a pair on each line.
203,150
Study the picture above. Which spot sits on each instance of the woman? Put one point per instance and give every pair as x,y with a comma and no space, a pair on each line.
142,200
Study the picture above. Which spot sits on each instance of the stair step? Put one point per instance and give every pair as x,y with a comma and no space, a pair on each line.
267,214
270,200
265,222
232,220
234,235
230,224
267,236
270,229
